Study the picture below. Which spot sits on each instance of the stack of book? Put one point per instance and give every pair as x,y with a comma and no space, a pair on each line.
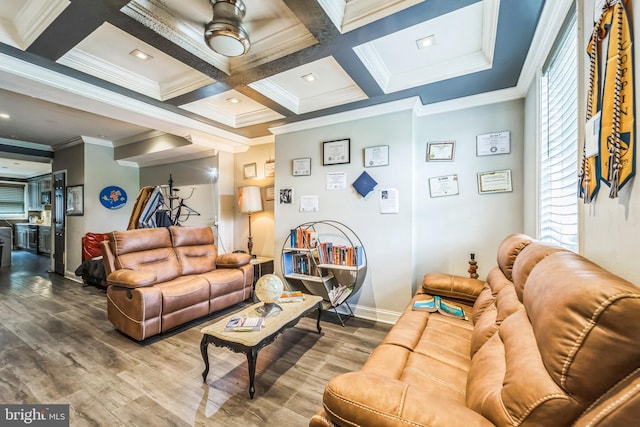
291,296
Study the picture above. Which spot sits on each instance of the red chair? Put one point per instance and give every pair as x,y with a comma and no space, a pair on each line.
91,245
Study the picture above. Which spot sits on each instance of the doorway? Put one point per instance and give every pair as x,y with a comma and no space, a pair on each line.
58,222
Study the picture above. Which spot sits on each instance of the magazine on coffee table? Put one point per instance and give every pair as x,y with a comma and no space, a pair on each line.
244,324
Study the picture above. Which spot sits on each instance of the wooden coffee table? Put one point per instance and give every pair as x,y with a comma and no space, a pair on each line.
250,343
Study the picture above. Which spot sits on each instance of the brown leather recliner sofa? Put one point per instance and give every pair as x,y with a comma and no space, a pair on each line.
160,278
552,340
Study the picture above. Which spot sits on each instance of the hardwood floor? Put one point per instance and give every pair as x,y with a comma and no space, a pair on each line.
57,346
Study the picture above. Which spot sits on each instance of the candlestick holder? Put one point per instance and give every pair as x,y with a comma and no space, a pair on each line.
473,267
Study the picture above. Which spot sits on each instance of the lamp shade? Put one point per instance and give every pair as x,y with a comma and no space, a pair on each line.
249,199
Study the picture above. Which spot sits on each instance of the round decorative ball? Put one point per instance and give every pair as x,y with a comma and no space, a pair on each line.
269,288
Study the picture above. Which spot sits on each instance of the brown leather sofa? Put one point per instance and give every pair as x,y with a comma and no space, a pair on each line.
552,340
160,278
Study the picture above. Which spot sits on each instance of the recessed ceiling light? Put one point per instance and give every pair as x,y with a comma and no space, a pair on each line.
425,42
233,100
4,116
140,55
309,77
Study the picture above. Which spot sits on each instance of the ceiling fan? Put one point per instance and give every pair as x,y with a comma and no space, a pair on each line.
225,34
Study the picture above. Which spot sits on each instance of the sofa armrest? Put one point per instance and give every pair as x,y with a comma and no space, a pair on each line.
233,260
368,399
132,278
450,286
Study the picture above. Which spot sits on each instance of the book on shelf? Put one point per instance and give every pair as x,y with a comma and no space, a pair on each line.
303,238
434,304
244,324
300,263
291,296
329,253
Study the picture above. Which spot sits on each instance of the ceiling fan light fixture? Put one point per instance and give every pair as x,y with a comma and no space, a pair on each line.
225,34
227,39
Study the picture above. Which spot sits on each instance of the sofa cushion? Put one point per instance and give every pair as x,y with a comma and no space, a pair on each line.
183,291
195,249
595,323
144,239
528,260
191,236
447,285
426,350
509,384
145,249
224,281
508,251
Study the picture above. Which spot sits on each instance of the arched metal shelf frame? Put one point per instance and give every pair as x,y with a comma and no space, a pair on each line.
327,276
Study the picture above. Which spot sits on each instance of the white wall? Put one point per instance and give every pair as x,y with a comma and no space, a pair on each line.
102,171
387,238
448,229
428,234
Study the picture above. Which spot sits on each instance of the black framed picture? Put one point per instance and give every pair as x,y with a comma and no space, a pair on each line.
75,200
336,152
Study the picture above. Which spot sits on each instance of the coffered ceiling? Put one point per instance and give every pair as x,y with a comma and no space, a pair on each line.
123,72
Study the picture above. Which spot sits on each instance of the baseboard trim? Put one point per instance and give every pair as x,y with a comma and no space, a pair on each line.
369,313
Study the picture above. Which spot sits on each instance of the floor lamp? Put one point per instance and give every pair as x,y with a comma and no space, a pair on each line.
249,201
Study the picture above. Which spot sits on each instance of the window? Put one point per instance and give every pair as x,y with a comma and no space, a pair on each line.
558,199
12,200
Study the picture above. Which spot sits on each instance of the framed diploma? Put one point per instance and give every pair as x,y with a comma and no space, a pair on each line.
336,152
269,193
493,143
376,156
269,169
494,182
301,167
440,151
249,171
441,186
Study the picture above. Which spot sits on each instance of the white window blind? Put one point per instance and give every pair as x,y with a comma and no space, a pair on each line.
558,204
12,200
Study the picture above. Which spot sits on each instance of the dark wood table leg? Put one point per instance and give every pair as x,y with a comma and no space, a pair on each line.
252,356
204,350
319,315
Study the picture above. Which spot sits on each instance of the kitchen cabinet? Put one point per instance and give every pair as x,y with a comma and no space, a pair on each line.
35,188
22,236
44,239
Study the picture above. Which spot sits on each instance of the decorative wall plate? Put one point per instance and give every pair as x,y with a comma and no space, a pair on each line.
113,197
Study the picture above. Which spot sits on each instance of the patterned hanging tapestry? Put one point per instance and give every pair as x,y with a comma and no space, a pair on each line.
617,133
589,177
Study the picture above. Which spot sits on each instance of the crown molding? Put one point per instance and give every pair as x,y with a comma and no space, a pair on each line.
473,62
66,90
34,18
413,103
333,98
26,144
97,141
486,98
347,116
348,15
95,66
